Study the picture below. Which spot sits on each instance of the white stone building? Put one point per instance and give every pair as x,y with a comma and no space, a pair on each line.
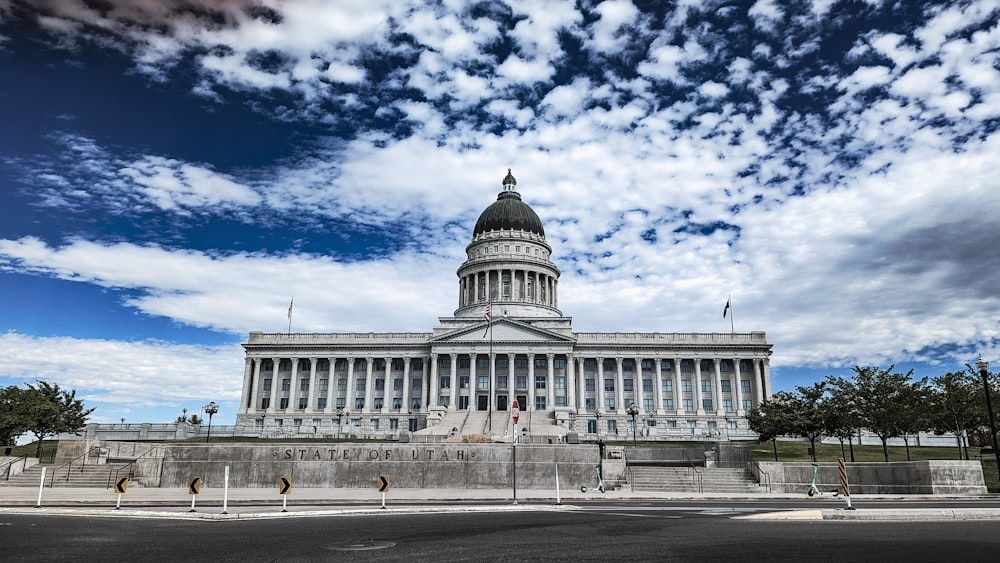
463,376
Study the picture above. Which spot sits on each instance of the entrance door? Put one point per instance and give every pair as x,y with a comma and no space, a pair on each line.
522,401
501,402
463,402
483,403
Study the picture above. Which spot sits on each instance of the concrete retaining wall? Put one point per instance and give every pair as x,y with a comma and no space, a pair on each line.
359,465
913,477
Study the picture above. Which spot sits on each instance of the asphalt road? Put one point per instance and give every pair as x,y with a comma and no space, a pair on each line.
598,532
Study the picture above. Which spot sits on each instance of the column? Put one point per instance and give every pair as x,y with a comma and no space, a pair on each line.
766,377
531,382
292,390
677,383
571,383
493,377
407,384
331,384
275,384
432,398
581,384
717,401
697,387
246,397
349,392
313,384
658,386
757,386
550,383
600,384
620,385
738,407
454,382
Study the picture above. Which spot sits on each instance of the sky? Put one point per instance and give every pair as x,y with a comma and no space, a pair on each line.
173,173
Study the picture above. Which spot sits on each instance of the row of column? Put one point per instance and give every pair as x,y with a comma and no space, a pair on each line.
535,287
575,387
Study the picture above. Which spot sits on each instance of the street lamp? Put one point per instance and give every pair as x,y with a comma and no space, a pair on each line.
983,366
597,423
340,416
210,409
633,410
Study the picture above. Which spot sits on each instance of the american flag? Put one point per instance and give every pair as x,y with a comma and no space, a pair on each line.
488,313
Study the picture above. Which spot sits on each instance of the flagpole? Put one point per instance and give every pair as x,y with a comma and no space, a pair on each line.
290,303
489,416
732,325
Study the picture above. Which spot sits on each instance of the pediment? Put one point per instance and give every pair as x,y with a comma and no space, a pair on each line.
504,330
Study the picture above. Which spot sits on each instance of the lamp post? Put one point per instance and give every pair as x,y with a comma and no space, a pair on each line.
597,423
340,416
633,410
210,409
983,366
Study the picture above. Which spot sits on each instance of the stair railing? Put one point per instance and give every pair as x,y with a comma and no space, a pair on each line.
697,478
114,473
763,477
70,466
9,466
629,474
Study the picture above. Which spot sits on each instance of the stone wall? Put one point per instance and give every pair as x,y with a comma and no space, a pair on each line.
458,466
905,477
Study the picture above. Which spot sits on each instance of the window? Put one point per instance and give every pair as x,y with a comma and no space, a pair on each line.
303,385
613,426
279,422
356,422
417,384
397,403
267,384
688,404
609,403
539,402
503,363
417,364
483,382
706,385
373,424
377,402
706,404
727,386
342,384
445,362
731,425
560,382
725,365
361,365
747,405
296,422
647,405
651,422
501,382
521,363
667,385
609,384
590,403
398,364
692,423
415,403
341,365
393,424
444,400
397,384
303,403
379,364
286,384
446,382
482,363
265,402
590,364
628,385
591,427
522,382
609,365
463,382
671,424
359,403
341,402
321,403
590,384
713,424
745,385
259,423
541,363
647,385
539,382
685,385
380,384
668,404
647,365
560,401
727,405
464,362
359,385
283,403
559,363
324,385
628,365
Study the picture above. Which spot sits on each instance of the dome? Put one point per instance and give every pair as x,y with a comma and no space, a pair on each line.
509,213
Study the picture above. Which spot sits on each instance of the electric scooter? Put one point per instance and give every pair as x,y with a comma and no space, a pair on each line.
813,490
600,481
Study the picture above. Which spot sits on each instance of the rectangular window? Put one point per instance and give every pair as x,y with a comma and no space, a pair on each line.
667,385
628,385
502,363
377,402
397,384
393,424
747,404
522,382
359,385
342,384
539,382
651,422
279,422
612,426
628,365
591,427
446,382
590,364
521,363
267,384
647,405
609,384
359,403
685,385
590,403
706,404
666,365
482,382
445,362
415,403
745,385
501,382
539,402
647,385
380,384
727,386
560,382
397,403
482,363
417,365
559,363
609,403
373,424
463,382
286,384
341,402
416,384
671,424
668,404
692,423
727,405
647,365
321,403
379,365
590,384
706,385
444,400
303,385
265,402
398,364
303,403
283,403
464,362
324,385
541,363
560,401
688,404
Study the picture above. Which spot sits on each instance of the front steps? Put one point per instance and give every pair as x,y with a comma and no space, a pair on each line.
692,479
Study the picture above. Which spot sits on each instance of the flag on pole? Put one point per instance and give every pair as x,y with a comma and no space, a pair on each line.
488,315
290,303
725,309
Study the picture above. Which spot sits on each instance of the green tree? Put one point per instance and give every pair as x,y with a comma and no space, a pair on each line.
842,420
956,405
772,419
809,414
53,411
13,419
916,417
880,396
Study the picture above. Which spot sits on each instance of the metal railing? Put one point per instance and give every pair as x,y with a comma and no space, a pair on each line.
9,466
71,465
697,477
114,474
763,477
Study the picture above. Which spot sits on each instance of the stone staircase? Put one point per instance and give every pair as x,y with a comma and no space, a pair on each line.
693,480
90,476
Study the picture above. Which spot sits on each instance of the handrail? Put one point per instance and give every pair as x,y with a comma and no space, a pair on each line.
9,466
630,475
69,467
763,477
130,466
697,478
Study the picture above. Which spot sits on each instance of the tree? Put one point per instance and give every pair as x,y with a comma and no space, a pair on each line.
842,420
53,411
880,396
956,405
916,417
13,419
772,419
809,414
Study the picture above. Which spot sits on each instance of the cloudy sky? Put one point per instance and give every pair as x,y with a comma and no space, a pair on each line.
172,173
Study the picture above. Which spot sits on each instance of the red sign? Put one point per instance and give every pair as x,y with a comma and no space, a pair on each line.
515,411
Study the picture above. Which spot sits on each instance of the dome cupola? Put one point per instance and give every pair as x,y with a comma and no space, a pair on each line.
509,213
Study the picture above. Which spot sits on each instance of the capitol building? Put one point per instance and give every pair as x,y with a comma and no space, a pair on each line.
506,341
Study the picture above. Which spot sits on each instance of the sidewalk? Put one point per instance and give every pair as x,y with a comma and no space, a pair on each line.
268,503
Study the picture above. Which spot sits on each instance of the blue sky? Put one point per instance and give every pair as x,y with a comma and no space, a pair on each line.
172,173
